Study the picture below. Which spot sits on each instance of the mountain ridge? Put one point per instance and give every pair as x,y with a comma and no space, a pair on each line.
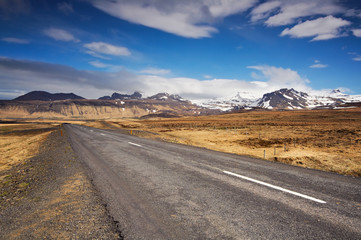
282,99
46,96
159,105
119,96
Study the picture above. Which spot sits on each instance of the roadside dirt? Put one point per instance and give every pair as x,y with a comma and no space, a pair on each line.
49,196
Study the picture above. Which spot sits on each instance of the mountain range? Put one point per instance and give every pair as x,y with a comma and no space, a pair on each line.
283,99
40,104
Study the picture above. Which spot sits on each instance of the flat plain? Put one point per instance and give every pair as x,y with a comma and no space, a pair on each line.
328,140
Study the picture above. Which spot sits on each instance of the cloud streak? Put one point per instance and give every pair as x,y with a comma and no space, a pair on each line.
356,32
98,48
60,35
24,75
318,64
66,8
320,29
188,18
15,40
155,71
285,12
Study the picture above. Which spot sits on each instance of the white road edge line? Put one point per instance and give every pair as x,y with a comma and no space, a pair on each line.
102,134
275,187
135,144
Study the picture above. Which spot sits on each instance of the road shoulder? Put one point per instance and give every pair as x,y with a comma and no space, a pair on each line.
50,196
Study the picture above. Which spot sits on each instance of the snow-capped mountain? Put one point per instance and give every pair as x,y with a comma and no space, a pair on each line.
284,99
240,100
166,96
281,99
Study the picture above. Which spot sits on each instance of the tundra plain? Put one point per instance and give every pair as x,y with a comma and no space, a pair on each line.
327,140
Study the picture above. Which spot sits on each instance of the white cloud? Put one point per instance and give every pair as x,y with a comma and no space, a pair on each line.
264,10
106,66
30,75
98,48
277,77
156,71
60,35
356,32
353,13
320,29
318,64
94,54
356,57
289,11
186,18
15,40
98,64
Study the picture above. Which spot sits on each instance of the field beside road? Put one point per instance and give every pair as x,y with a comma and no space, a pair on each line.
328,140
44,191
20,141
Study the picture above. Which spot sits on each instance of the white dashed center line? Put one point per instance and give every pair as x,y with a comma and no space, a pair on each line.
134,144
275,187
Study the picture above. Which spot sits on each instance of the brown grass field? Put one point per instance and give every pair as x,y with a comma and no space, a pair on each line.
328,140
20,141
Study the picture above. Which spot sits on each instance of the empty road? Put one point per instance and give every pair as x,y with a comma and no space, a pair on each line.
159,190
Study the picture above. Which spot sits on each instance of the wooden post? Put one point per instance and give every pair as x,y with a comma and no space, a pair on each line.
274,153
264,154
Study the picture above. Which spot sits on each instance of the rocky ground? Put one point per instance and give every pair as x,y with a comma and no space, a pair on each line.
50,197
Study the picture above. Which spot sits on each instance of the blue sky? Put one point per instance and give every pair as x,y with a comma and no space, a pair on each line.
198,48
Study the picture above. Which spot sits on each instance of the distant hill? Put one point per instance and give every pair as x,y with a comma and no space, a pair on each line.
116,96
45,96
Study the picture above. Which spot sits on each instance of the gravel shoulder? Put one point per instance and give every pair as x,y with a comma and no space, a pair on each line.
49,196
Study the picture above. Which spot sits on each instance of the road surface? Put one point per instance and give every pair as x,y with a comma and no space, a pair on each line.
159,190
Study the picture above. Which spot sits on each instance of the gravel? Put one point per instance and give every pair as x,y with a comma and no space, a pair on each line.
50,197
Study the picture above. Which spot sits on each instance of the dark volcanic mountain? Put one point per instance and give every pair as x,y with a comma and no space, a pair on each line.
45,96
284,99
116,96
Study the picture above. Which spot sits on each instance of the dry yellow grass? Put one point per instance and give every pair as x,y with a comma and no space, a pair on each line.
19,142
328,140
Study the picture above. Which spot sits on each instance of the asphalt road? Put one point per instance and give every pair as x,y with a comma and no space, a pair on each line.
159,190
